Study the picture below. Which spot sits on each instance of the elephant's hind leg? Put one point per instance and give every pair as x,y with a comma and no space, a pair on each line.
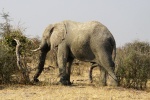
105,59
102,74
93,65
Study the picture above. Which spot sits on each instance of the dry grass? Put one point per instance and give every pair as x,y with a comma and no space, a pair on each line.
80,90
57,92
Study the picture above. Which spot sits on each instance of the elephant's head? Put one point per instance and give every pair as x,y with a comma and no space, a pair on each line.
53,35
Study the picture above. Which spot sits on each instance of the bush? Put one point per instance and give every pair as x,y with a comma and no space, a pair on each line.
8,64
8,59
133,65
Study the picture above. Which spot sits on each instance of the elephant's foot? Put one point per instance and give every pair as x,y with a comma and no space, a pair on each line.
64,80
102,82
35,80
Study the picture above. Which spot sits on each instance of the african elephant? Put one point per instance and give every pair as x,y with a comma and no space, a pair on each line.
89,41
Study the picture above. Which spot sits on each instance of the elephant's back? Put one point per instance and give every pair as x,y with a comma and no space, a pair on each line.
80,26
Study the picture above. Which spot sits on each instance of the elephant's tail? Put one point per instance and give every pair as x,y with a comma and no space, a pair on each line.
113,44
114,52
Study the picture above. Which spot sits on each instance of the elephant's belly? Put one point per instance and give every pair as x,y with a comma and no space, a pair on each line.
83,53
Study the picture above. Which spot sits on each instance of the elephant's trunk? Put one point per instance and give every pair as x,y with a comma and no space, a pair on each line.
40,65
42,58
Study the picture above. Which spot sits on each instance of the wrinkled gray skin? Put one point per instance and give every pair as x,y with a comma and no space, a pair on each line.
90,41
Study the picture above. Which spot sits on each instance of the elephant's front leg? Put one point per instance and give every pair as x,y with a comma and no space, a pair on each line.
62,57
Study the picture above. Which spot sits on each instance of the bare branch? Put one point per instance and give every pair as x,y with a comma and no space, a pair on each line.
23,70
18,54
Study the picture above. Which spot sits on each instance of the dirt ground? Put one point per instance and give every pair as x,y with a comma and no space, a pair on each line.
81,89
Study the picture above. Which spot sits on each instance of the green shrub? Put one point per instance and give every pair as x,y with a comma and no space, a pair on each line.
133,65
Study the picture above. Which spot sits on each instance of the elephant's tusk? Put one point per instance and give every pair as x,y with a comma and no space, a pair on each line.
36,49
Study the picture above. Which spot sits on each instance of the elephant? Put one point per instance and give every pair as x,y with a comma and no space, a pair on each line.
86,41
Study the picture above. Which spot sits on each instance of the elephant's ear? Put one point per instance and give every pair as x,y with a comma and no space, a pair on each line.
58,34
49,29
45,37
